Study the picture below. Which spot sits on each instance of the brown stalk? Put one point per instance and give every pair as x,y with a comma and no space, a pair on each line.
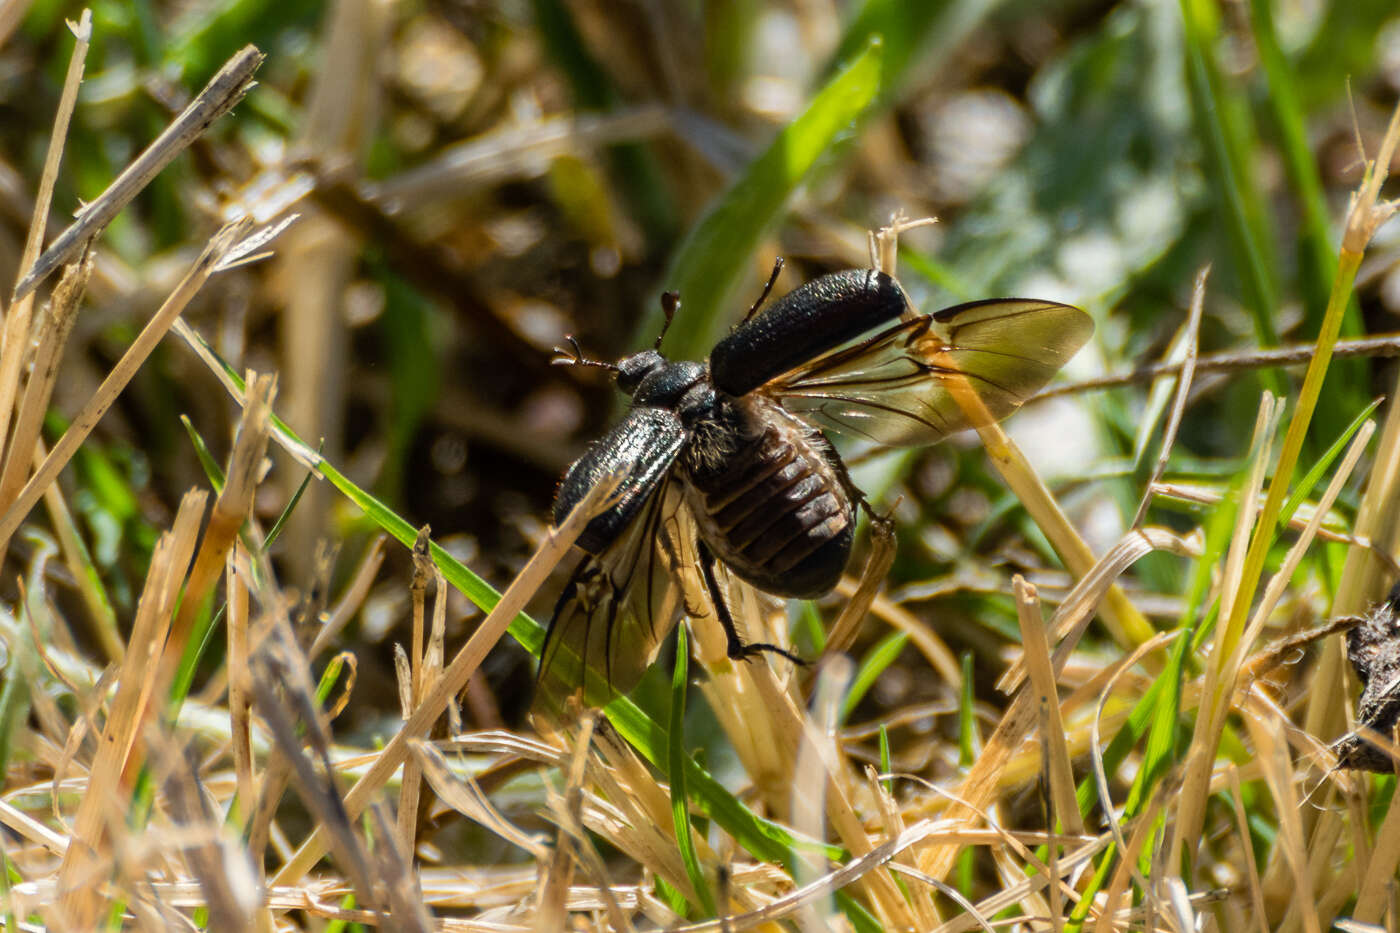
239,683
211,863
936,651
407,825
79,900
34,404
285,700
231,510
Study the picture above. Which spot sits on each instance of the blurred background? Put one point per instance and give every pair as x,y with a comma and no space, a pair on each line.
477,180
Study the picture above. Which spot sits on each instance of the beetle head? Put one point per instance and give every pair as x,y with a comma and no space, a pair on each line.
631,370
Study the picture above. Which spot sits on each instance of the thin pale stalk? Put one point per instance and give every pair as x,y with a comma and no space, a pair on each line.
1229,361
16,336
1256,894
1278,775
121,374
240,702
1038,664
1191,339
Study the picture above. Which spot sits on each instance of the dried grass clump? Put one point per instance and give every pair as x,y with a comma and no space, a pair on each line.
1173,780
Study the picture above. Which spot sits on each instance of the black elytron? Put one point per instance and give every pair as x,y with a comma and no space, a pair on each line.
723,462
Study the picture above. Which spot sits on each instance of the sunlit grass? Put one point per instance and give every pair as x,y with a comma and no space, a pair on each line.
1137,734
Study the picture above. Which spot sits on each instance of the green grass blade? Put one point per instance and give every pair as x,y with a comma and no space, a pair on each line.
1317,259
918,36
207,463
715,254
1228,146
676,755
275,531
876,661
1320,468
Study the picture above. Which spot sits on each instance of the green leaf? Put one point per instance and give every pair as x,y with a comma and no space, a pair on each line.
1227,135
715,254
1315,474
680,812
875,662
918,36
211,467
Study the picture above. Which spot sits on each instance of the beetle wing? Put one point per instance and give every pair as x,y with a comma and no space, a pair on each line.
614,612
905,385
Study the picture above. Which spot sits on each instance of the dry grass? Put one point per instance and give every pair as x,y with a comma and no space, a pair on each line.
1173,780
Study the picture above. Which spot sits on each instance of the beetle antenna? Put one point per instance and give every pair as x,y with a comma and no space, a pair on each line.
772,279
574,357
670,304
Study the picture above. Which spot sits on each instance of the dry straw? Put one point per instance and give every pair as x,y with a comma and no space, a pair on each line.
111,819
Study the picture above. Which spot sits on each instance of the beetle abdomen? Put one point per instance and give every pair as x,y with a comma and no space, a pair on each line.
775,510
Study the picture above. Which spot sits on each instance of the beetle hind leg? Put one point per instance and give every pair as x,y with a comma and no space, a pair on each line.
737,649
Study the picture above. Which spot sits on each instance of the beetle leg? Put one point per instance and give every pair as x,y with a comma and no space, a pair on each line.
772,279
880,524
737,648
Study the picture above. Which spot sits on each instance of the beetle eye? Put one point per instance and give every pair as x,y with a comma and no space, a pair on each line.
631,370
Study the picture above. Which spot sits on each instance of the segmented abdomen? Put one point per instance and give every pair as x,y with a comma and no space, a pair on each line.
774,509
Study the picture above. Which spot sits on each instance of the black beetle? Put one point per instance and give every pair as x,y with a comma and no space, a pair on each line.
723,461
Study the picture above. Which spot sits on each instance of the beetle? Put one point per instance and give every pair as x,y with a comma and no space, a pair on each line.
724,462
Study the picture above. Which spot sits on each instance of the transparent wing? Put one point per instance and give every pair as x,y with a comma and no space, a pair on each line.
616,609
918,381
